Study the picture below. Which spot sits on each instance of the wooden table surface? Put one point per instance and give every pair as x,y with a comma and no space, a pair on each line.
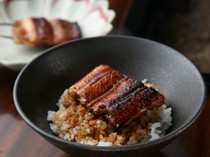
17,139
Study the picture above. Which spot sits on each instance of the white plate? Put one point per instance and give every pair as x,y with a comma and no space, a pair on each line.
93,16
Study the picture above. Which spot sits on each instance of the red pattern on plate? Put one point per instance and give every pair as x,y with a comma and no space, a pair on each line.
102,14
87,1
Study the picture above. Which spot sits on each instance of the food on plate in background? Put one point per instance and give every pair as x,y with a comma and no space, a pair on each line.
35,32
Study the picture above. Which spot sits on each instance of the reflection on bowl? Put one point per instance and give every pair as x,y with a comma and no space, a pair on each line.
61,66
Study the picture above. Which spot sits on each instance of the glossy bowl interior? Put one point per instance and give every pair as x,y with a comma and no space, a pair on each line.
40,84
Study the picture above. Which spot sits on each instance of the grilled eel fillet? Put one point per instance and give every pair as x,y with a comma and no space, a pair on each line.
40,31
105,91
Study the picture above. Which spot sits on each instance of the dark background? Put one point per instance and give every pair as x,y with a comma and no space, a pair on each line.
181,24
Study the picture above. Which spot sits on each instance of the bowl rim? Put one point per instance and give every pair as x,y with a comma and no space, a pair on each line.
166,137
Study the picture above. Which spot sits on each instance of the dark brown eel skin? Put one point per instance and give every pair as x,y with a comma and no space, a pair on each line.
64,31
107,92
98,81
35,32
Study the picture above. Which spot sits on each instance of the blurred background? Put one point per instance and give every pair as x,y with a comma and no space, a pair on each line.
181,24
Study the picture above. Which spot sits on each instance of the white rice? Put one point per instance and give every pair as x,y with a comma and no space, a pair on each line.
74,123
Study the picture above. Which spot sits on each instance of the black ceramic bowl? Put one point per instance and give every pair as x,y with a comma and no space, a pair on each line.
40,84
